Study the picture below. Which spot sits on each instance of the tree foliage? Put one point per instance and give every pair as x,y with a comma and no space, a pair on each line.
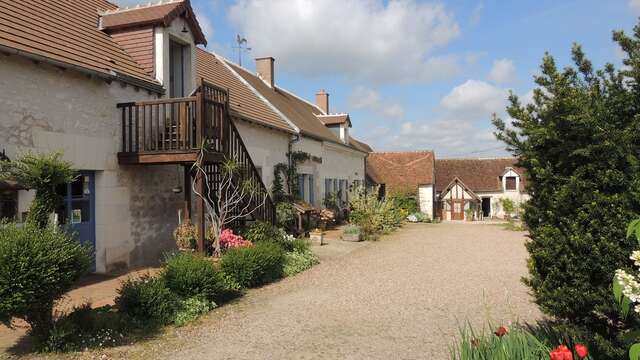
42,173
579,141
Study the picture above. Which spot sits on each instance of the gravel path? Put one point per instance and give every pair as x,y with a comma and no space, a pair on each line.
403,298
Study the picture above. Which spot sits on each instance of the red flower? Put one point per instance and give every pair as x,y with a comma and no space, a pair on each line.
501,331
581,350
562,352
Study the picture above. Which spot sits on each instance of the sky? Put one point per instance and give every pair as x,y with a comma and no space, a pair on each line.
415,75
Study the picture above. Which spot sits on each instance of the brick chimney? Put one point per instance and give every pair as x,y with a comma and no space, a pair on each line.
264,68
322,100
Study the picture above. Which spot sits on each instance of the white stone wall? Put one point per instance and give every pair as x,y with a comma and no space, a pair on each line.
425,199
496,209
266,147
44,109
339,162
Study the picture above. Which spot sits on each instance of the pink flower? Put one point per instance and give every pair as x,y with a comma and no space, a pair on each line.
230,240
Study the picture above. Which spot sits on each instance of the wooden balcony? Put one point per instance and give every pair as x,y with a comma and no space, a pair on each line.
172,131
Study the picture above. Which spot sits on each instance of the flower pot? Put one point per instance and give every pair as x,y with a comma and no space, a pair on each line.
351,237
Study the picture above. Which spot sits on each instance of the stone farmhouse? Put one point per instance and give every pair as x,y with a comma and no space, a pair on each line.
129,98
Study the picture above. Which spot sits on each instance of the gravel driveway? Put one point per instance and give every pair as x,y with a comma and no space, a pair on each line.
400,298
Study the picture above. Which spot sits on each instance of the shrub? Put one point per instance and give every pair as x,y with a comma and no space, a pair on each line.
262,231
375,216
254,266
301,245
406,201
86,328
285,214
189,275
299,261
37,266
191,308
579,196
148,300
351,230
42,173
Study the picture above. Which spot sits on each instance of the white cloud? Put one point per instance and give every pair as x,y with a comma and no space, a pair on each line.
360,39
634,5
362,97
476,14
475,98
206,26
502,71
129,3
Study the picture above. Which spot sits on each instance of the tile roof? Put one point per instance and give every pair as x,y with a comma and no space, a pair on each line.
301,113
334,119
401,171
66,33
243,102
360,145
477,174
156,14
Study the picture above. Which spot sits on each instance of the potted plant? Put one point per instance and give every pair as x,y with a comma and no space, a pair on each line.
351,233
185,236
316,236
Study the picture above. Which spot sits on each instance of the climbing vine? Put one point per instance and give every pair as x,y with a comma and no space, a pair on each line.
289,174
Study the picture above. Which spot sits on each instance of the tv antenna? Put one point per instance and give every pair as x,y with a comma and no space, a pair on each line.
241,47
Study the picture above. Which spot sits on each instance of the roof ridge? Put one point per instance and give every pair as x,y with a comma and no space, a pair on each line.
327,115
486,158
223,60
301,99
140,6
404,152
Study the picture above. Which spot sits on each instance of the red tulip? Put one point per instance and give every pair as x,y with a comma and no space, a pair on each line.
562,352
502,331
581,350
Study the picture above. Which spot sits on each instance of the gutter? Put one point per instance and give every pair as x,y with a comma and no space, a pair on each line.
108,77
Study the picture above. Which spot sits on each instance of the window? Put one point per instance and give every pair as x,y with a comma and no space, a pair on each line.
510,183
301,187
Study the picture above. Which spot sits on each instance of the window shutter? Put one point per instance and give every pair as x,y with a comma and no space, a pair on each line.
327,187
312,190
301,187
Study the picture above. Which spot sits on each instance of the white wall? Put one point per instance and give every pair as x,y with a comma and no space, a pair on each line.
339,162
45,109
425,198
266,147
496,209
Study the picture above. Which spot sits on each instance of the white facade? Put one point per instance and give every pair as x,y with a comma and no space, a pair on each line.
426,199
45,109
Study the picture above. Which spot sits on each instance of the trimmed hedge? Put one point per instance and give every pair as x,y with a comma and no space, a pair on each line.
148,300
254,266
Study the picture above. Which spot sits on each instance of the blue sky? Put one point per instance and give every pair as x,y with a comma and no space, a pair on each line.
415,74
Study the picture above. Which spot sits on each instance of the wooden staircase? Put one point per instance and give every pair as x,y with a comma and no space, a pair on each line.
173,131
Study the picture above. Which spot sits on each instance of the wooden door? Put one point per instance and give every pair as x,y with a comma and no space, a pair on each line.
457,210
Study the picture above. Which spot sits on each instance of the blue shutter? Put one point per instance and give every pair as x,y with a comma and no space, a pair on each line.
312,195
327,187
301,187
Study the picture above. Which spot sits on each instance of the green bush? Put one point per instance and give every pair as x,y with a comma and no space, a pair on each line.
190,275
579,142
285,214
191,308
148,300
406,201
254,266
37,266
300,245
375,216
41,173
262,231
87,328
299,261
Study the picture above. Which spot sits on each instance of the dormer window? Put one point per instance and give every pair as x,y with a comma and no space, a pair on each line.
510,180
510,183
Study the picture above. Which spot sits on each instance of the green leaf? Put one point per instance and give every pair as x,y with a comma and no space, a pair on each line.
631,336
633,227
634,352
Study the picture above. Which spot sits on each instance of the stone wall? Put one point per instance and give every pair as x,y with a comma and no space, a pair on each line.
44,109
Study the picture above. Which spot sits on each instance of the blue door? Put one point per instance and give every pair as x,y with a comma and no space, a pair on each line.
77,212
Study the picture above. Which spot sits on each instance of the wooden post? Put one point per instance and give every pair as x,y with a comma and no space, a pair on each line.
200,209
200,116
187,192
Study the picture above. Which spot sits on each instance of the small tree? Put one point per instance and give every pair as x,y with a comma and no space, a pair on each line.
579,142
42,173
236,197
508,206
37,266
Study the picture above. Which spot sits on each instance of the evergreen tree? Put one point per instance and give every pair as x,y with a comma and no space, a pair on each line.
579,142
